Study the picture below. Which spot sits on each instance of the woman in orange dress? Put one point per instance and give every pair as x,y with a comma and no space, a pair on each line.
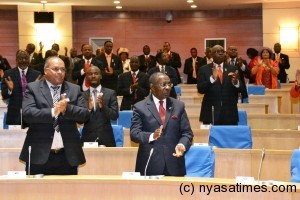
266,70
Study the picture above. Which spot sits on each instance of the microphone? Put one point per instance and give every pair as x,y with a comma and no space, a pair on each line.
213,115
151,151
96,139
29,158
261,161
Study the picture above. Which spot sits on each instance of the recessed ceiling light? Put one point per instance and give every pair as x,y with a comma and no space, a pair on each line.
43,1
118,7
116,2
193,6
190,1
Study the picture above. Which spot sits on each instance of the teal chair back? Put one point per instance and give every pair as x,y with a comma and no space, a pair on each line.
295,166
119,135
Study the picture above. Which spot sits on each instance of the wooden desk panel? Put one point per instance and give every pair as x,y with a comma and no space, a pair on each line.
286,102
229,162
114,187
255,108
273,101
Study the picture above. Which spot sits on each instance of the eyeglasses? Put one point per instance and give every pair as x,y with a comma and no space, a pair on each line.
57,69
164,85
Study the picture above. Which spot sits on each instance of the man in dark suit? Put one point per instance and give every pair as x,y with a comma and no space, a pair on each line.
112,67
133,85
207,59
14,85
53,107
241,65
162,59
82,66
191,66
220,85
160,124
283,62
173,58
34,58
147,61
103,104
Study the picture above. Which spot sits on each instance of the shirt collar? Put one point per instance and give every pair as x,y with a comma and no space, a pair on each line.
98,88
25,70
50,84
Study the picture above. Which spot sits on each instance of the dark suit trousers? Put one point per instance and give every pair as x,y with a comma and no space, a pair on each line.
57,164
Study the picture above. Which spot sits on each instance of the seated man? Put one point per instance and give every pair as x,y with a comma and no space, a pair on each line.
103,105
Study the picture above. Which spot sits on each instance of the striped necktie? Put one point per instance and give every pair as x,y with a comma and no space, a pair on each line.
55,99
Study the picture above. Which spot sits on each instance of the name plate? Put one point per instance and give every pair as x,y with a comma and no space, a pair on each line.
200,144
16,174
205,126
298,127
14,127
90,145
131,175
244,179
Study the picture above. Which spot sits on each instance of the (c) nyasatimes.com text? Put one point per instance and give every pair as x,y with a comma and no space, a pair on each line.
186,188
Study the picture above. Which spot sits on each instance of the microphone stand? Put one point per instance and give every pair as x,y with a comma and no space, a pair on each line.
261,161
151,151
29,158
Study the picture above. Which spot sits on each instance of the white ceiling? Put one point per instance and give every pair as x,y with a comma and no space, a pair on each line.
146,5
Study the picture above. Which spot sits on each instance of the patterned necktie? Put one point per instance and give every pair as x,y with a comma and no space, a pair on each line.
24,82
134,81
232,61
220,73
162,111
87,65
95,99
162,69
55,99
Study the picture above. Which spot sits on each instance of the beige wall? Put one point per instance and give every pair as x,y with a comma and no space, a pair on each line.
274,16
62,24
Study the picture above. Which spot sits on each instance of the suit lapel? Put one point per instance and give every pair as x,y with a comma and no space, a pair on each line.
45,90
169,110
152,108
17,75
64,89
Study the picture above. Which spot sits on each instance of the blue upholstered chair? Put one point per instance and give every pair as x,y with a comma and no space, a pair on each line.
119,135
256,89
295,166
243,120
5,126
236,137
177,90
200,161
125,118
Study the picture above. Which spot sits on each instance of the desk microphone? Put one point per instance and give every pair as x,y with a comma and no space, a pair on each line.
21,118
96,139
261,161
151,151
29,158
213,115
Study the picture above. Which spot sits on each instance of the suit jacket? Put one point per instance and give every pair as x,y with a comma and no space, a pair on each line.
36,59
78,66
37,106
124,83
203,61
222,96
16,97
282,66
146,66
175,62
99,124
176,130
188,69
111,81
171,72
243,75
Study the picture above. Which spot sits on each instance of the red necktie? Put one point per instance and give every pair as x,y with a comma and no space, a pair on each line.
134,81
220,73
162,111
87,66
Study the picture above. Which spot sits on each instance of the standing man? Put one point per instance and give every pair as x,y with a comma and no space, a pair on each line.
191,66
52,107
112,67
14,86
133,85
162,59
34,58
220,84
283,62
147,61
81,67
207,59
161,126
103,104
241,65
72,60
173,58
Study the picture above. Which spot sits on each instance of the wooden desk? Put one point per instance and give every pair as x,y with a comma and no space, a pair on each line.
191,99
286,102
261,121
273,101
115,187
229,162
255,108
